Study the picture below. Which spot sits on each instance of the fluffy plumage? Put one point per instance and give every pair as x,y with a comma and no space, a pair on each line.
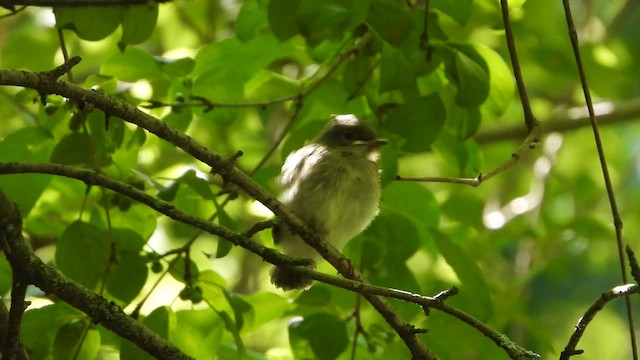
334,186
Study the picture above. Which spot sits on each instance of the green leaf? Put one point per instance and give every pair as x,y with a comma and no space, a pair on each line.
468,70
131,65
463,122
419,121
501,83
356,74
412,200
381,252
6,274
459,10
73,335
224,245
465,207
268,85
462,155
139,218
90,23
225,55
281,21
176,68
388,165
102,83
320,336
198,333
267,306
40,326
178,271
315,296
129,276
241,308
386,18
329,19
106,136
395,71
179,120
72,149
138,23
42,46
82,253
251,19
161,321
169,192
200,186
128,239
33,144
298,136
470,275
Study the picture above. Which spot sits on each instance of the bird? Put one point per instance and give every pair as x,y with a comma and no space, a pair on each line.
333,185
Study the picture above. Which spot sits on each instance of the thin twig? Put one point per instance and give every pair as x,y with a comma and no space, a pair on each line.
529,143
65,53
622,290
617,221
529,120
633,263
299,97
533,128
13,12
424,36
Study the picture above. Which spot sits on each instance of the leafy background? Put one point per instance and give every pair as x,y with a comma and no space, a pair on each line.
530,249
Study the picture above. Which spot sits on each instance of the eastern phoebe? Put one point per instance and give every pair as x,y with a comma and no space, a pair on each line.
333,185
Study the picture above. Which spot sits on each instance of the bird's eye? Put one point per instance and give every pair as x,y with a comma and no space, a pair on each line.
348,136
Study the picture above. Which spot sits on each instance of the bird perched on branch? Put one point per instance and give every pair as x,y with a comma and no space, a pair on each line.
332,184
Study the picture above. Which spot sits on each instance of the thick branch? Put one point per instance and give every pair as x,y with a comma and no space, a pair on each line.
244,240
49,280
119,108
91,177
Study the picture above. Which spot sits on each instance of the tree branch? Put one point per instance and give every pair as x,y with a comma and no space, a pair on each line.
91,177
618,291
10,4
529,143
119,108
33,270
617,221
244,239
574,118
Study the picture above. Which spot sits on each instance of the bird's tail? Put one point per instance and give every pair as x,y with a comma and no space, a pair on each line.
289,280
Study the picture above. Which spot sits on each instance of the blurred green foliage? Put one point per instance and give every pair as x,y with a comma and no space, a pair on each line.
530,249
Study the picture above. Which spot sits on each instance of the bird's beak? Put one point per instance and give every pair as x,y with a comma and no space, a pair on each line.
371,143
375,143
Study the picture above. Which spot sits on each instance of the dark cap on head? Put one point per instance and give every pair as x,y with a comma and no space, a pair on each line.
348,130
